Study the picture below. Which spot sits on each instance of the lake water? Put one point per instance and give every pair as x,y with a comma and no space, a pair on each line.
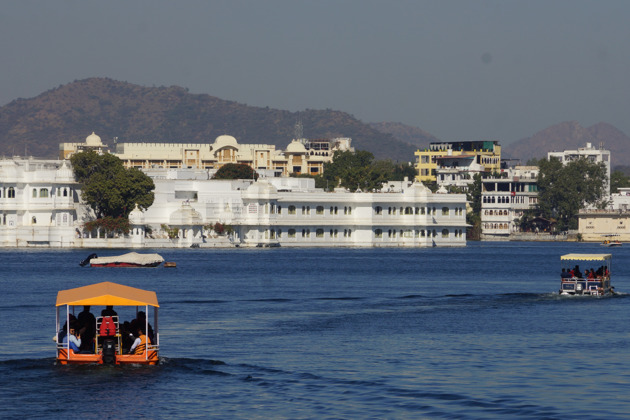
475,332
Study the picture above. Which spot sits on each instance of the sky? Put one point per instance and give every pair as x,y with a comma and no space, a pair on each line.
458,69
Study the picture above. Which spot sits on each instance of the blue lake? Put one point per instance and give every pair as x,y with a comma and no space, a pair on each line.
475,332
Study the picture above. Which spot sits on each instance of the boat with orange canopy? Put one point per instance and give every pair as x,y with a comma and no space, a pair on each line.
106,348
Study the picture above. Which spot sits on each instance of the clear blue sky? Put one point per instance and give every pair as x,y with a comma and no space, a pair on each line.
459,69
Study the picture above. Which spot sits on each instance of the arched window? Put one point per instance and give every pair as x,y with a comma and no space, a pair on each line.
291,209
319,233
445,211
378,210
408,210
291,233
378,233
319,210
11,193
34,193
43,193
445,233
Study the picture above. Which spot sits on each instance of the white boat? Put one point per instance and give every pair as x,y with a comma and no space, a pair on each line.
131,259
611,242
593,279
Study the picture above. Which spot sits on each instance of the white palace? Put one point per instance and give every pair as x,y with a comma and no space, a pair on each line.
40,206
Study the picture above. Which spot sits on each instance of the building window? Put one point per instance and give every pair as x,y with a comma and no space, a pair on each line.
378,210
444,233
291,209
34,193
11,193
378,233
291,233
319,233
43,193
319,210
445,211
408,210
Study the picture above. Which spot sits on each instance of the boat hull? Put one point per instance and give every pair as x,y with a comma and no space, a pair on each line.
151,358
125,264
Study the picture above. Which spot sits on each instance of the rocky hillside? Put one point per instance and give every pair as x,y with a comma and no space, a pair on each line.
408,134
570,136
69,113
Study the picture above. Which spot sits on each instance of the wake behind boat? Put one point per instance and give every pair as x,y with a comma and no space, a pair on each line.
131,259
592,281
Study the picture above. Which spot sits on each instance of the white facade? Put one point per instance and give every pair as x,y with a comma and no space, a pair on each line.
504,200
40,206
39,203
291,212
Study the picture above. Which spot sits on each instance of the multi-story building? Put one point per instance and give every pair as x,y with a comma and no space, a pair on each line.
40,206
292,212
300,157
39,203
454,163
505,198
597,155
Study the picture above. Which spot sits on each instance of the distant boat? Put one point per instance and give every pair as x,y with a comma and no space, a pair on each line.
131,259
574,282
609,242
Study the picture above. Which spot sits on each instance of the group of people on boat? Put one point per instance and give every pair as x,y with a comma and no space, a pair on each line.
592,274
82,331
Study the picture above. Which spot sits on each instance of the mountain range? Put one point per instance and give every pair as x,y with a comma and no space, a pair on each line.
129,112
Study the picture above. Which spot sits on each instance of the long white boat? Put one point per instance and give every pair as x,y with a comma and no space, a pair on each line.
131,259
593,279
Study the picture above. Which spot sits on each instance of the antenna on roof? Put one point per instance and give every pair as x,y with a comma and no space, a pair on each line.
299,129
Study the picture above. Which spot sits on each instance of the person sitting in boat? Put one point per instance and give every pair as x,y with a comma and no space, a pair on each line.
565,274
590,274
142,320
126,336
87,329
109,311
64,329
576,272
139,346
73,339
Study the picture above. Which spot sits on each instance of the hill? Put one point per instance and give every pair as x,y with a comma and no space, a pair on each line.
571,135
405,133
129,112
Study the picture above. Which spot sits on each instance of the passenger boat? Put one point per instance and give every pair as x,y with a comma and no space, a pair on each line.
106,347
611,242
576,281
131,259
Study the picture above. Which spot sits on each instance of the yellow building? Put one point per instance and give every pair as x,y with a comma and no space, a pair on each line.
484,153
92,142
300,157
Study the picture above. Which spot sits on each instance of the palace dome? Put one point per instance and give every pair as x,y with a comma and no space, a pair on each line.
93,140
296,147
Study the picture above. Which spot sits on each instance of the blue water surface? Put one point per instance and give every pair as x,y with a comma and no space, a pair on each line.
475,332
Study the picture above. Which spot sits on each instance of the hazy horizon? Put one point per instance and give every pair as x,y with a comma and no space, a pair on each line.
460,70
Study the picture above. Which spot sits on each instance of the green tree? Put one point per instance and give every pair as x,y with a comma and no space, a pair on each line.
565,189
108,187
359,170
618,180
473,217
235,171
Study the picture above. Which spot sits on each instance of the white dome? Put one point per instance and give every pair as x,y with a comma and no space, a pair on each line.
296,147
186,215
136,217
93,140
225,141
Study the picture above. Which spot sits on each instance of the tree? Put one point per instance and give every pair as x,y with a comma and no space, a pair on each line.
108,187
358,170
565,189
235,171
473,218
618,180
